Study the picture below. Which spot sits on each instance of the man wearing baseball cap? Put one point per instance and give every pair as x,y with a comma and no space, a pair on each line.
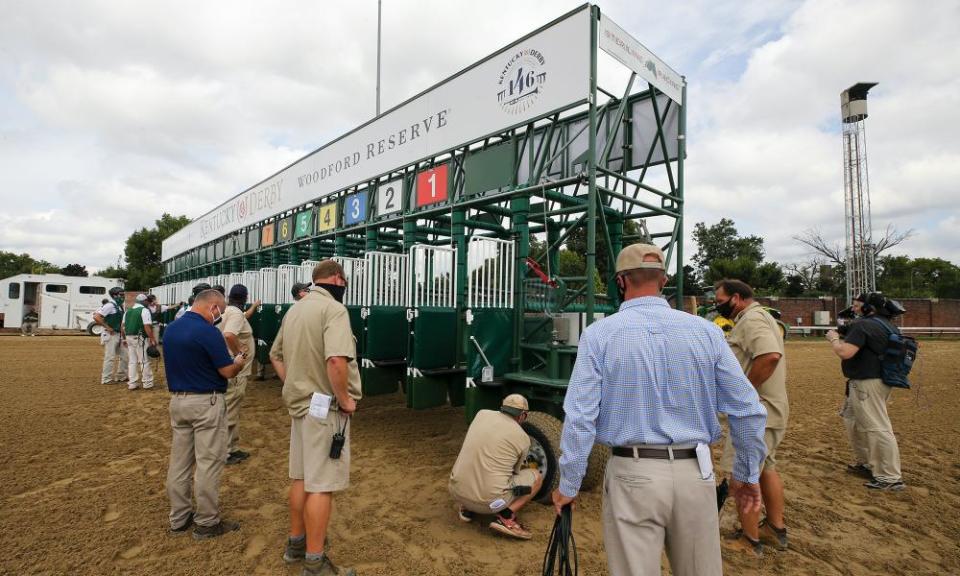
648,382
489,476
239,337
299,290
137,330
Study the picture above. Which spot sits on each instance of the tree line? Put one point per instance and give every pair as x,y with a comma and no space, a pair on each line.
721,252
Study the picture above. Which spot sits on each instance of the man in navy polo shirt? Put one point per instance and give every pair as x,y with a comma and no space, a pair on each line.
197,367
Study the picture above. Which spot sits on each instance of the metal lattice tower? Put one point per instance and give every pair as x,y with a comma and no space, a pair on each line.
860,253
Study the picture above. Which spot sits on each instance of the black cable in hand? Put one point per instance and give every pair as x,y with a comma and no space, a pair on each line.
562,548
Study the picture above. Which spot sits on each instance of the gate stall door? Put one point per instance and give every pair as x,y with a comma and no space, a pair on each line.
55,305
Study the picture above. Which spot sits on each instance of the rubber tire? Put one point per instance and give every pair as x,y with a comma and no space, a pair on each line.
596,468
94,329
546,429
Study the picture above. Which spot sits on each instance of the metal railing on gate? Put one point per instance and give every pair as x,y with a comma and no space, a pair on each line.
353,272
490,273
233,279
287,276
385,279
306,271
268,285
433,276
251,279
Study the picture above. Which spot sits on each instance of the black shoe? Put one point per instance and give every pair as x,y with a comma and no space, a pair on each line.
218,529
240,454
187,524
860,470
232,458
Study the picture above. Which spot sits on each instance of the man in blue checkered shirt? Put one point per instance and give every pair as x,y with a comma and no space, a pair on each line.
649,382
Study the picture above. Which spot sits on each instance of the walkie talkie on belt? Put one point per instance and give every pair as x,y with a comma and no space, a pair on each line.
339,438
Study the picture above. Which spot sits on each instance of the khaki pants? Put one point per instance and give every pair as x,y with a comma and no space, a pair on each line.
310,440
112,351
650,503
869,428
199,423
236,390
138,361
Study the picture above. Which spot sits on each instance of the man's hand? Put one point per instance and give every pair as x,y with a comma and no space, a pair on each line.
832,335
256,304
559,501
748,497
348,407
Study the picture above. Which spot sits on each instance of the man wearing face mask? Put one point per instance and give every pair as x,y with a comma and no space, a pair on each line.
197,367
110,317
756,342
315,356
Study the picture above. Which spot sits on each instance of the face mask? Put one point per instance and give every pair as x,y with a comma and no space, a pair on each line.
725,309
334,290
219,317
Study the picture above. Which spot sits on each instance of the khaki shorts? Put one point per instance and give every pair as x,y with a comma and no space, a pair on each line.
771,437
310,461
525,477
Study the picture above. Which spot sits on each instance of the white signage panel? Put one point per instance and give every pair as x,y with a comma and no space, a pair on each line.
635,56
389,197
527,80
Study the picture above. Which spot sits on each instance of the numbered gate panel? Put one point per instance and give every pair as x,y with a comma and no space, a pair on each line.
432,186
389,199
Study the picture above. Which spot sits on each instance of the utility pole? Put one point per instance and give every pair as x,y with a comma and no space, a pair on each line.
860,251
379,21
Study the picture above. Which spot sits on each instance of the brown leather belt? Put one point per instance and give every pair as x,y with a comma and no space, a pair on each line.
660,453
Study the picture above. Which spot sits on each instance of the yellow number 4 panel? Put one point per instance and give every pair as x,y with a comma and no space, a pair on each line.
327,217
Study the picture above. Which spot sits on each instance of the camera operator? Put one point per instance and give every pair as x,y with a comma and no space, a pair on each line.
865,408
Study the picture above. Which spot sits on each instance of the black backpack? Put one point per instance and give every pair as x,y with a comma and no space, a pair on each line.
897,357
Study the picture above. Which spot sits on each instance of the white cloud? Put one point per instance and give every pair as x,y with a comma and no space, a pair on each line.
112,113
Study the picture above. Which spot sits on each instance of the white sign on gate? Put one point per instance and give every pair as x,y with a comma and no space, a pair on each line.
389,197
529,79
615,41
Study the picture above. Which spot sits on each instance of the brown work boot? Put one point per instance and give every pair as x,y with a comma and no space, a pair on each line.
324,567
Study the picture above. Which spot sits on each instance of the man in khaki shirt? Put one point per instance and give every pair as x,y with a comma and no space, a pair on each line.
239,337
489,476
756,342
315,356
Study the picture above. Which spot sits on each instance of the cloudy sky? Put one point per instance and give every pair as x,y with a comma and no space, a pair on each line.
113,112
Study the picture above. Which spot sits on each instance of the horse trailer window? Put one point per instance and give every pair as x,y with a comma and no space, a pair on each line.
14,291
93,290
57,288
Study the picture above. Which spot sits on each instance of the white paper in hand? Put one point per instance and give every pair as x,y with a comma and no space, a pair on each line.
705,460
320,405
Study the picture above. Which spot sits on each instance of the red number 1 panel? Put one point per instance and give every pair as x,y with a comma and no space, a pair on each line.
432,186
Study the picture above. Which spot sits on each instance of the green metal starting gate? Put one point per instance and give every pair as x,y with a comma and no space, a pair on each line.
454,215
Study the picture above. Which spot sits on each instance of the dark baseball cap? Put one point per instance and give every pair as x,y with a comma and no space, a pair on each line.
238,291
299,287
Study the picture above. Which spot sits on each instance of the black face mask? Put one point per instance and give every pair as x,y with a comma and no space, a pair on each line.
334,290
725,309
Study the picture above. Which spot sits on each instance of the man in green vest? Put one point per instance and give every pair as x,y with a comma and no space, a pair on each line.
110,317
138,332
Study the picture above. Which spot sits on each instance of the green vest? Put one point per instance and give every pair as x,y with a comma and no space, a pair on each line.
133,321
114,320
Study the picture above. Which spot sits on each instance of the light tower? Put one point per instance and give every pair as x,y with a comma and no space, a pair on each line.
860,257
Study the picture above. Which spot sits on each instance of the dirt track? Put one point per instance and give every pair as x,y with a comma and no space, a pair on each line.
82,471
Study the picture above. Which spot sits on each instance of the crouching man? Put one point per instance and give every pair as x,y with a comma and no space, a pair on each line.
489,476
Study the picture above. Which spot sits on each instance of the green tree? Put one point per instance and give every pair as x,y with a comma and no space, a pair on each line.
902,277
577,242
12,264
143,252
722,242
74,270
691,284
113,272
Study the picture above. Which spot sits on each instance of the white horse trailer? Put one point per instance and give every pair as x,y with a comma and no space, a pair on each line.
61,302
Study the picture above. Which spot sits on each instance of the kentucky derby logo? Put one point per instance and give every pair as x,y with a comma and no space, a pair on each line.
521,81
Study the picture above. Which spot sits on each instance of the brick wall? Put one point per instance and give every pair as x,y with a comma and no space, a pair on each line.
938,313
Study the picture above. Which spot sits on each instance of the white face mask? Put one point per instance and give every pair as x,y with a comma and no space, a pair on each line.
218,317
